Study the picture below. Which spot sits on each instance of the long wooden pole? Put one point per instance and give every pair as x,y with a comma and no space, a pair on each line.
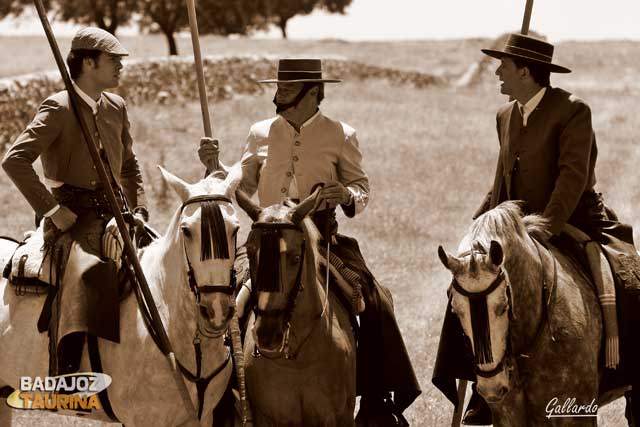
129,250
457,414
526,20
202,88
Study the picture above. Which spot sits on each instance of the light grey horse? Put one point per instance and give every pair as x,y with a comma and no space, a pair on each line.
143,391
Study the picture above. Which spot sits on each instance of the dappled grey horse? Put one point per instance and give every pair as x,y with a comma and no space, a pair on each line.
532,320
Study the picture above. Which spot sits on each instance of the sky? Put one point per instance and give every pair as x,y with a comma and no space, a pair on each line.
442,19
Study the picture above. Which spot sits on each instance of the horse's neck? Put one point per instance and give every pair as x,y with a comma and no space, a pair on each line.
525,270
168,282
310,302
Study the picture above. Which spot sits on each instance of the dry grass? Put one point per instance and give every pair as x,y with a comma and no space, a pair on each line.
431,157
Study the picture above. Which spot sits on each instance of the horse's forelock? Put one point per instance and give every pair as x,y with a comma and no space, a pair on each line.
213,234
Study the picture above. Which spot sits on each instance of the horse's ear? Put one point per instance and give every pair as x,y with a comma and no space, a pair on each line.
496,254
178,185
443,257
451,263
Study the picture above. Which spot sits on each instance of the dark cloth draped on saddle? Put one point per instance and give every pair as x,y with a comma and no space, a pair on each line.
383,364
454,358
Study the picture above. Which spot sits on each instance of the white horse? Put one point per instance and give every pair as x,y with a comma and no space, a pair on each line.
143,391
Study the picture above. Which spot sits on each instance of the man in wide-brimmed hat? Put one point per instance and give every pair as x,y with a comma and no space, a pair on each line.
71,200
547,159
285,157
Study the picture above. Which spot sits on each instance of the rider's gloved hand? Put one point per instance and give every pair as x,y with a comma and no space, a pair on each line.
334,194
208,152
64,218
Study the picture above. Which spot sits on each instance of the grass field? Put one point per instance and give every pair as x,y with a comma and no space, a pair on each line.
430,155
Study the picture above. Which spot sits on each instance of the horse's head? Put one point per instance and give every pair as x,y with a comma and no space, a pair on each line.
280,248
206,228
480,299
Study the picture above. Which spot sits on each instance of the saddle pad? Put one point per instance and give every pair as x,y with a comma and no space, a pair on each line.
34,266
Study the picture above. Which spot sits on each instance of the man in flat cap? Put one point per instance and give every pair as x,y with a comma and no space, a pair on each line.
71,199
547,159
286,157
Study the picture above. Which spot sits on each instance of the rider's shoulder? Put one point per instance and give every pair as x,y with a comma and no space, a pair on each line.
347,130
262,128
114,99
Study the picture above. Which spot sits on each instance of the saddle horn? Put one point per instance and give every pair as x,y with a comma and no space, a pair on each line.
247,205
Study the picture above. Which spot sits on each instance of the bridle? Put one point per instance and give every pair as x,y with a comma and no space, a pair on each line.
193,284
287,311
499,279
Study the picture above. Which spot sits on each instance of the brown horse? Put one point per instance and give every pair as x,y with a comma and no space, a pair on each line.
300,354
532,319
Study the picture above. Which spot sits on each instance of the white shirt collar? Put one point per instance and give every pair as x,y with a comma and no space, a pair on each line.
86,98
306,123
310,119
531,104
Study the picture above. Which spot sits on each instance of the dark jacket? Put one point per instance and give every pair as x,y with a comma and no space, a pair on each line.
549,163
54,135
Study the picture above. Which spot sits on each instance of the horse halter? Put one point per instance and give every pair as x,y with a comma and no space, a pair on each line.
193,284
287,311
478,308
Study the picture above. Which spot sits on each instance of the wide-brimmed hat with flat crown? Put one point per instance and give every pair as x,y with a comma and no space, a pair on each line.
300,70
530,49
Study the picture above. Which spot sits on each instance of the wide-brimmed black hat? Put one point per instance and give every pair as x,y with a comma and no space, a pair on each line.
299,70
530,49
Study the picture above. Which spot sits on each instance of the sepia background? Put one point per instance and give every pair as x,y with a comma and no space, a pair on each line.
425,117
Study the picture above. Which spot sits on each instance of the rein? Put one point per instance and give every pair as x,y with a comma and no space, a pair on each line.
547,292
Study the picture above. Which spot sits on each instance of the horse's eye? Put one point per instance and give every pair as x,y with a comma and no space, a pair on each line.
185,230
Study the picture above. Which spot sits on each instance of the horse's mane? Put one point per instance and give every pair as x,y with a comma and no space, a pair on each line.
505,223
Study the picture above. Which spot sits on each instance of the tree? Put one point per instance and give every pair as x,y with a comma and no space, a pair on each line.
106,14
15,7
279,12
168,15
226,17
214,17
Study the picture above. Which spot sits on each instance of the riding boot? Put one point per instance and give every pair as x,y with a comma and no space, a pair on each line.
376,411
70,353
478,412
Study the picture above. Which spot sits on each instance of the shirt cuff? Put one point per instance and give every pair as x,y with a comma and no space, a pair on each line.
52,211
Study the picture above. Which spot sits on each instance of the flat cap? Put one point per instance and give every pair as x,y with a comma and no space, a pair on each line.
97,39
